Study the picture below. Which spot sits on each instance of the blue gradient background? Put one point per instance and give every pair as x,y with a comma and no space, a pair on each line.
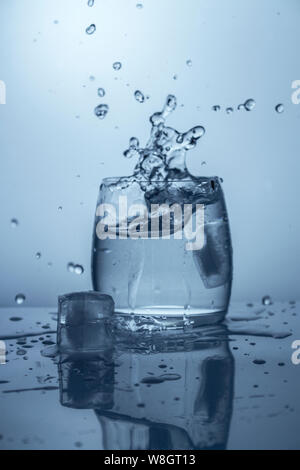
239,50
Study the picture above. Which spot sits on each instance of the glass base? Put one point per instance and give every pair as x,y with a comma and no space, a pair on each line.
166,317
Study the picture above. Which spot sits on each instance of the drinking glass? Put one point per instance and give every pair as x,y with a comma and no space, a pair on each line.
163,250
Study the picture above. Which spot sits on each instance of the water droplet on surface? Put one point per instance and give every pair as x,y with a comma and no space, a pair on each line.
90,29
20,299
139,6
60,208
70,267
101,92
189,63
91,3
117,65
38,255
16,318
266,300
21,352
55,21
216,107
259,361
101,111
139,96
249,104
229,110
279,108
14,223
78,269
175,77
152,380
241,107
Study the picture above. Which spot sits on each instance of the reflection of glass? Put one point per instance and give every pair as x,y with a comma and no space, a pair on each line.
171,392
158,265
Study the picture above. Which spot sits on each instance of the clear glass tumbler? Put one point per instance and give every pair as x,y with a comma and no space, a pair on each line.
163,250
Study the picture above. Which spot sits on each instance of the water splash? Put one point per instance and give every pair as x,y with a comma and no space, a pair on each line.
164,156
133,150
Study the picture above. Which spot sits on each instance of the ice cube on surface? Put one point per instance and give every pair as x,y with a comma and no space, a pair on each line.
84,307
84,322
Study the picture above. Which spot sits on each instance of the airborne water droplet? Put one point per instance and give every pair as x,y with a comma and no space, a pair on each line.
71,267
14,223
266,300
78,269
139,96
101,111
117,65
90,29
249,104
20,299
101,92
279,108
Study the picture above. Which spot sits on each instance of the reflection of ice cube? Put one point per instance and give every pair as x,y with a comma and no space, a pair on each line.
214,260
83,321
87,383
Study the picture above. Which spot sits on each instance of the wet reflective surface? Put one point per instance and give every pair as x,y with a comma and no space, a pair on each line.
229,386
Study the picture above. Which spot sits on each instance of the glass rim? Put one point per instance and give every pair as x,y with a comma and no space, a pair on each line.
110,179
